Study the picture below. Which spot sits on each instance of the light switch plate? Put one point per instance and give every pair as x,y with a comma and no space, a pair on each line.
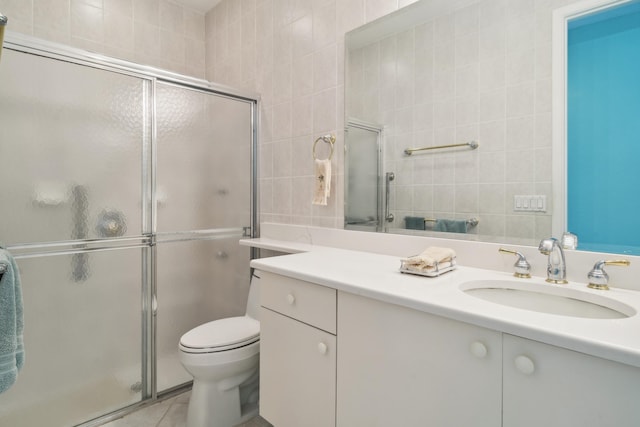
530,203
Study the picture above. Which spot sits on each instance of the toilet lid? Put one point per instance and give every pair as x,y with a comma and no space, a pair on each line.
229,332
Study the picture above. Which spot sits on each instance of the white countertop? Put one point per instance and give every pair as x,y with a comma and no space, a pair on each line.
278,245
377,276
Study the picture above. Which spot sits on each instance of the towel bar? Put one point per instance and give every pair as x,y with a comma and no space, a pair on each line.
472,145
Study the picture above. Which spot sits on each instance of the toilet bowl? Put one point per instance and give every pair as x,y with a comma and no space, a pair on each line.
223,358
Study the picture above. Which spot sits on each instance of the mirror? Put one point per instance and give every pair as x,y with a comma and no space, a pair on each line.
452,73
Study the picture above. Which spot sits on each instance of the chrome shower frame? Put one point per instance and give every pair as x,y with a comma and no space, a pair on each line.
149,237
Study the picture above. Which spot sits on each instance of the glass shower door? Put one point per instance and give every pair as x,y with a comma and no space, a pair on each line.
82,340
203,199
363,184
120,188
72,144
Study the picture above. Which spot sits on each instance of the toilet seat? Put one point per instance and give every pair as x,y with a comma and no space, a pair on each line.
221,335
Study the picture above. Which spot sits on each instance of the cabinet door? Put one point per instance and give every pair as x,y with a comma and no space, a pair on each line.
297,373
403,367
554,387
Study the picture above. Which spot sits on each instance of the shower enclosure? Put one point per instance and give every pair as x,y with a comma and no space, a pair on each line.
124,191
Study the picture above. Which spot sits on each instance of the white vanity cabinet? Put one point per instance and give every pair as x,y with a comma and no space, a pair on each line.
334,358
403,367
550,386
297,352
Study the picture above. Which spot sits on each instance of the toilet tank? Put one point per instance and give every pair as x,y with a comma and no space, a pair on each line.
253,301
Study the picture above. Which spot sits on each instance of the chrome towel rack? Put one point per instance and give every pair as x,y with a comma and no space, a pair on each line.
390,176
329,139
471,144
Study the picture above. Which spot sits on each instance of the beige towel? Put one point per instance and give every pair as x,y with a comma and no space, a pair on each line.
322,187
429,258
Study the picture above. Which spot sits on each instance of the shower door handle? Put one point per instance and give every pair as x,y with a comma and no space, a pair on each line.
390,176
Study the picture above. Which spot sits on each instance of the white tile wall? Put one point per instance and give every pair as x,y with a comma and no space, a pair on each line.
296,48
482,72
159,33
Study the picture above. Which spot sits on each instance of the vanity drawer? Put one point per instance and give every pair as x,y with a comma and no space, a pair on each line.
310,303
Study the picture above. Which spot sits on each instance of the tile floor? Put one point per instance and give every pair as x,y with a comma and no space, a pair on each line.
169,413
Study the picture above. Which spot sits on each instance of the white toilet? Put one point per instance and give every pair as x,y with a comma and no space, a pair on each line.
223,358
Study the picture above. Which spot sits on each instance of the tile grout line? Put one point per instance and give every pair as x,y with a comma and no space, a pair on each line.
174,399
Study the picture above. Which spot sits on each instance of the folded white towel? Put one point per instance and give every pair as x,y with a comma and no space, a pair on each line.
428,269
322,187
430,258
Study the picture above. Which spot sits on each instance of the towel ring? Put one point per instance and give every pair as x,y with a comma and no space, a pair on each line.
329,139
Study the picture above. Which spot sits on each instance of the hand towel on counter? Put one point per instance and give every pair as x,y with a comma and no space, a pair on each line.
450,225
430,258
11,322
322,187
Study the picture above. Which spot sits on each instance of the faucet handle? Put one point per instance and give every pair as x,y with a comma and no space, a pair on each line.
598,278
522,266
569,240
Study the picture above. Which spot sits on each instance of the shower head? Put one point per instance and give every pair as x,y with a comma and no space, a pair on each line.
3,23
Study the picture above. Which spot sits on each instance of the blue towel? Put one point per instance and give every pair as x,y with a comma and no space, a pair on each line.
11,322
450,225
414,222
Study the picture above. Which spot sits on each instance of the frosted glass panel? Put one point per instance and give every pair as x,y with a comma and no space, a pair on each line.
197,282
204,162
363,204
71,144
82,339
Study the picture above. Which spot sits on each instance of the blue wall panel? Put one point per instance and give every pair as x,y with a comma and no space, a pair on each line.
603,176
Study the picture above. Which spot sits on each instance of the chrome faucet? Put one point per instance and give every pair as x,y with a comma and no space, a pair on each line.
556,267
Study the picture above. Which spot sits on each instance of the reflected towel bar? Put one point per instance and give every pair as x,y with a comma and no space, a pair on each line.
472,145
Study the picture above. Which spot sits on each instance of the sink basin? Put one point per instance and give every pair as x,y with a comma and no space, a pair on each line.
551,299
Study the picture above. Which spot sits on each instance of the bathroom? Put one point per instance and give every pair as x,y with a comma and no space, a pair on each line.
291,53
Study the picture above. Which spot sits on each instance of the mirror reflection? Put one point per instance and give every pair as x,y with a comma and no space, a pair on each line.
441,73
364,212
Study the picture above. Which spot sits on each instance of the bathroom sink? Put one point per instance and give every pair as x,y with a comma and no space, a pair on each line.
551,299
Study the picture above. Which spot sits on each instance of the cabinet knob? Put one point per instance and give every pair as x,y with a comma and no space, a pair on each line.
291,299
478,349
525,365
322,348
